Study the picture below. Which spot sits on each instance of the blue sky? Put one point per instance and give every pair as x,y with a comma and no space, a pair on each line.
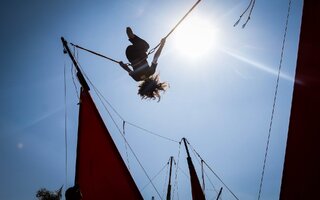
220,100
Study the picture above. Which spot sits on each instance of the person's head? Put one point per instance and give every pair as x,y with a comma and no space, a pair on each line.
73,193
150,88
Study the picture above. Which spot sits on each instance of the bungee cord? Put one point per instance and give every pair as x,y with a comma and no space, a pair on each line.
174,28
150,51
95,53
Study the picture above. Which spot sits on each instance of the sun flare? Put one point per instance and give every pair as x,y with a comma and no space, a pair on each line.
195,38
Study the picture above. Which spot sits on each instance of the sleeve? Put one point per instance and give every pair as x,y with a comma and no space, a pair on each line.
153,67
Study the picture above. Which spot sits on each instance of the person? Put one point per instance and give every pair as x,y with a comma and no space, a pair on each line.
73,193
136,53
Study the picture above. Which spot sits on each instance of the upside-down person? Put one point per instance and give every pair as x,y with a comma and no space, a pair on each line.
136,53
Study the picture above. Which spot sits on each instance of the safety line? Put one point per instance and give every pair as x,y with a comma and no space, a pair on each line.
65,125
175,186
155,176
163,137
274,100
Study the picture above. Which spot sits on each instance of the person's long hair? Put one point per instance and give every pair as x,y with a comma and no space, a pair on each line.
151,87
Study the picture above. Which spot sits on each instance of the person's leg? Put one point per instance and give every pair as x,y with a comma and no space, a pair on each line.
140,44
130,33
138,50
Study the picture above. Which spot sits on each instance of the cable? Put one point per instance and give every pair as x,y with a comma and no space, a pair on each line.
65,124
144,187
176,173
125,144
213,172
95,53
72,75
163,137
274,99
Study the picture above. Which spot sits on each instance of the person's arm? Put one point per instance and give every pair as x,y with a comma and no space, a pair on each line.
125,67
158,52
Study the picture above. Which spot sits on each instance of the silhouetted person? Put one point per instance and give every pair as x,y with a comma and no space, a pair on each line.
73,193
141,71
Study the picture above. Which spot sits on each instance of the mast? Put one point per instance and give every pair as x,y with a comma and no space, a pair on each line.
301,172
169,183
80,76
219,194
100,170
197,193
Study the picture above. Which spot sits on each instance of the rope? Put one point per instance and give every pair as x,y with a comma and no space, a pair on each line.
152,133
125,145
72,74
95,53
65,124
274,99
155,176
176,174
153,49
251,4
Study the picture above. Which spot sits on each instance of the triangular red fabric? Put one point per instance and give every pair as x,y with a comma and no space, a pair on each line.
100,170
197,193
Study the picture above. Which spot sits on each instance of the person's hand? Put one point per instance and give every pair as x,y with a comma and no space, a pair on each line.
122,64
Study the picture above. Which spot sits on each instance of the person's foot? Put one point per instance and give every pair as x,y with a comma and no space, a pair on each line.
130,33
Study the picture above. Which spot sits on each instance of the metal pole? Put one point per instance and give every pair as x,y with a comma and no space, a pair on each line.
81,78
169,184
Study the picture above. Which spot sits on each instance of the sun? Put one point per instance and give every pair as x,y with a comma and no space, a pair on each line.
195,37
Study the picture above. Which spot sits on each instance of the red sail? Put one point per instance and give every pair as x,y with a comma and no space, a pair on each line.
301,173
197,193
100,170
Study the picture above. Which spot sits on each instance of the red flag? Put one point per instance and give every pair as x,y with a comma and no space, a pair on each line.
197,193
100,170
